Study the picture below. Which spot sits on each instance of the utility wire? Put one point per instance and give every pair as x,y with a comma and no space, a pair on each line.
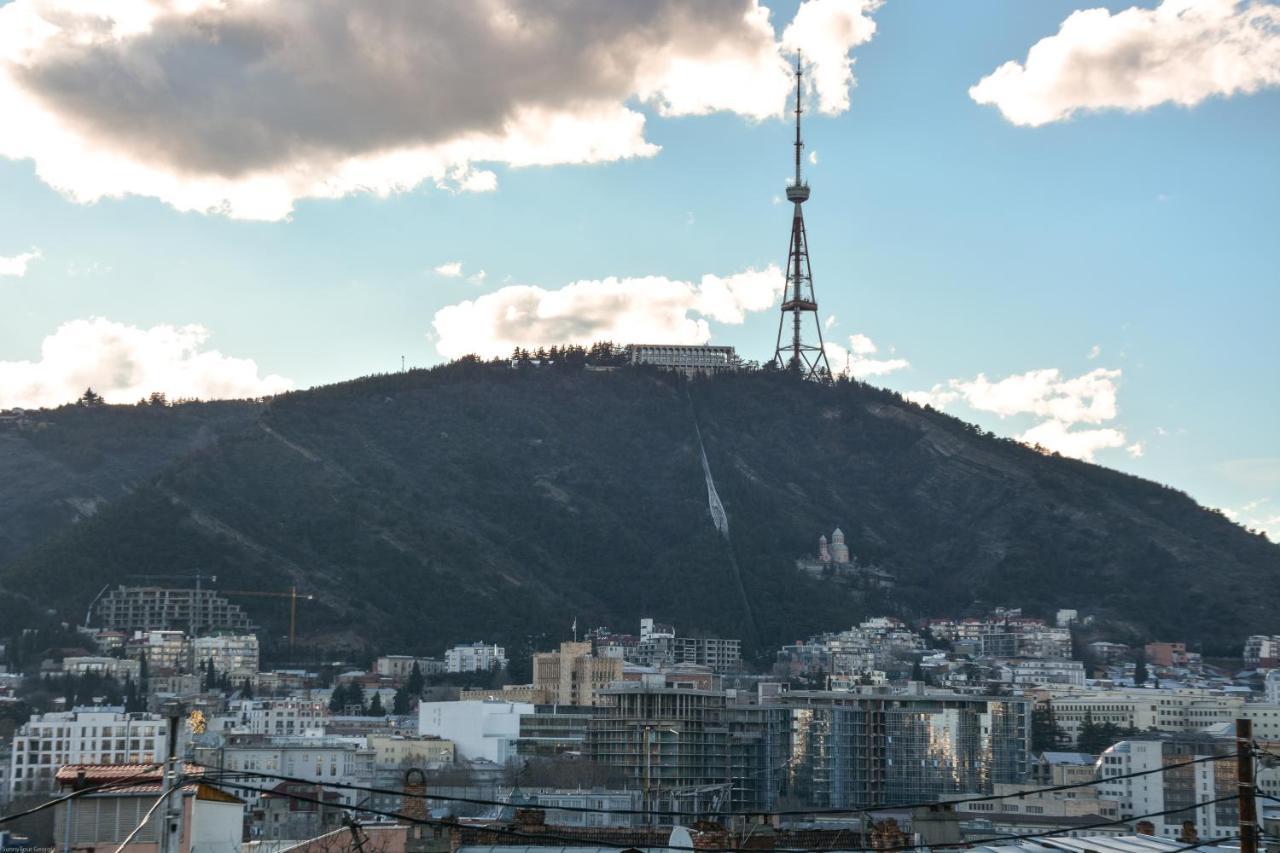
786,813
597,842
102,786
146,817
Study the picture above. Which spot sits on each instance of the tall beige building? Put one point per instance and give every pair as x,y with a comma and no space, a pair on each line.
573,675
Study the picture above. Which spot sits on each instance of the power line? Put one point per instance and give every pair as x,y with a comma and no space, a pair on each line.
475,801
146,817
125,781
597,842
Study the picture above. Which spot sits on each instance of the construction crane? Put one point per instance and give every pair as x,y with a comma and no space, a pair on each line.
293,597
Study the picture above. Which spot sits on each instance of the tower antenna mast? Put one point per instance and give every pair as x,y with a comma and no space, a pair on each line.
800,355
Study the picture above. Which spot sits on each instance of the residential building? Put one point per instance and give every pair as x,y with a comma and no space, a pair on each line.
212,820
553,730
1179,787
573,675
1272,687
506,693
480,731
272,717
102,735
1039,805
406,751
314,758
121,669
400,667
1265,717
235,655
477,657
1142,709
1051,768
163,650
1262,651
150,608
1166,654
1041,672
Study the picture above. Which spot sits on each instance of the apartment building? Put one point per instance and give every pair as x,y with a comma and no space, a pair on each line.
101,735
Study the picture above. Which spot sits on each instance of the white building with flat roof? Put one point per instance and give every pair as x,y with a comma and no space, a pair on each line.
103,735
476,657
231,654
480,730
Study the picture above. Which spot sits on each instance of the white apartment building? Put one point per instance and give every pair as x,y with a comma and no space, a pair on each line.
315,758
121,669
477,657
1175,788
480,730
162,649
1273,687
1184,710
281,717
104,735
1039,673
232,654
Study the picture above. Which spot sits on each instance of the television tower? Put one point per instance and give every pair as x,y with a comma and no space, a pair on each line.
800,355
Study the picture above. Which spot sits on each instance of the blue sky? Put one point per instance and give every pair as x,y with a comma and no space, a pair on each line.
952,237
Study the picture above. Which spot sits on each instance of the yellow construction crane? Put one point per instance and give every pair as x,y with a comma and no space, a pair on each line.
293,597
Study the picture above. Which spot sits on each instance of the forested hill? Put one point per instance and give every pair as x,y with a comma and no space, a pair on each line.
475,501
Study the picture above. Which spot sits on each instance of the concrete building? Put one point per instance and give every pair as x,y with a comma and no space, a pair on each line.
573,675
480,731
314,758
104,735
149,608
691,360
553,730
121,669
1143,709
477,657
1041,672
232,654
281,717
824,749
404,751
212,820
400,667
1272,687
163,650
1262,651
1166,654
1179,787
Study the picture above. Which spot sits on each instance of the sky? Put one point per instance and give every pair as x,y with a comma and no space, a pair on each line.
1054,219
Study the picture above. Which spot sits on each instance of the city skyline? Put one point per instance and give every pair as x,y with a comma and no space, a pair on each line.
1083,267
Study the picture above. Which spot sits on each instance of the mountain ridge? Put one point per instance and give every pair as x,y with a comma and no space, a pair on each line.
476,501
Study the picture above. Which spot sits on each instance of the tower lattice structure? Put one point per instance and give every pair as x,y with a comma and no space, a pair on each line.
800,353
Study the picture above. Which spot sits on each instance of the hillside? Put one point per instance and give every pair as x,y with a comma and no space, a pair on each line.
474,501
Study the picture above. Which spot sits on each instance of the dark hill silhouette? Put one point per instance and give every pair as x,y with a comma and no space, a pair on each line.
475,501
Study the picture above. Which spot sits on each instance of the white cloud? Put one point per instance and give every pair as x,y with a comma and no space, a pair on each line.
649,309
1062,403
1094,352
478,278
16,265
1135,450
125,363
813,157
829,322
855,360
1078,443
1181,52
449,269
826,31
243,107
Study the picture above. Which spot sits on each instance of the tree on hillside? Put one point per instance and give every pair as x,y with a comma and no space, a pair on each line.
90,398
1046,734
416,681
375,706
338,699
400,703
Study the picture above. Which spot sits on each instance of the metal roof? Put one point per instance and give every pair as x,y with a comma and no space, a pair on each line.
1099,844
